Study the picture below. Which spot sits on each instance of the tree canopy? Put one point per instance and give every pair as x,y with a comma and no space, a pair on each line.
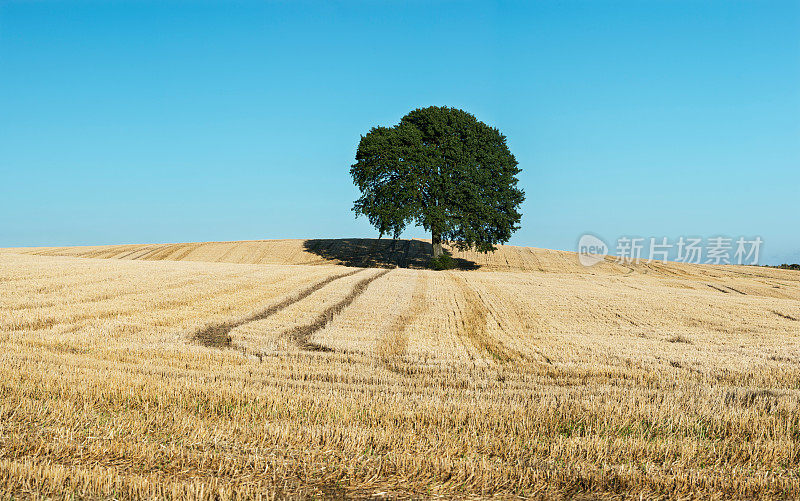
445,170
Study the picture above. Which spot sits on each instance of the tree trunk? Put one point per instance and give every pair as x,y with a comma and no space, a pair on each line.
436,240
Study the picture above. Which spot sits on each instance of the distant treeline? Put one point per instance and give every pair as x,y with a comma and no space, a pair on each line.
785,266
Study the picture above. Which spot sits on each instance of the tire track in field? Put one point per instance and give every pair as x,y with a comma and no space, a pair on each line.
217,335
107,252
131,253
393,343
183,252
158,253
266,248
735,290
523,317
474,325
301,335
146,252
146,255
784,315
227,252
719,289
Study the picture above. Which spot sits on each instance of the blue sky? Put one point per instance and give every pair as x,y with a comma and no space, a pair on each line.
191,121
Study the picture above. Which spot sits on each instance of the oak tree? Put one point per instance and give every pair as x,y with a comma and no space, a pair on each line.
443,169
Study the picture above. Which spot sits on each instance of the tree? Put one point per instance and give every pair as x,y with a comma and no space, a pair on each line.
443,169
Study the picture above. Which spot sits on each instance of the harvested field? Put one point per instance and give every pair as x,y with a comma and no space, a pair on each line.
351,252
250,370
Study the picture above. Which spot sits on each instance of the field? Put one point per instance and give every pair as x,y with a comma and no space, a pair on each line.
252,370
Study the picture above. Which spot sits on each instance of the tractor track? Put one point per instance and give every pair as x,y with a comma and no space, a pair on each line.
393,342
217,335
474,325
301,335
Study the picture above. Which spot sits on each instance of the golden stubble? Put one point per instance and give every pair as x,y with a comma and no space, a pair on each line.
530,377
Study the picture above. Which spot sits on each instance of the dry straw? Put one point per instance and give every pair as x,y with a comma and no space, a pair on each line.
532,376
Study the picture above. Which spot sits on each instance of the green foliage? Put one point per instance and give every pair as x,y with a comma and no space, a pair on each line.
785,266
443,262
443,169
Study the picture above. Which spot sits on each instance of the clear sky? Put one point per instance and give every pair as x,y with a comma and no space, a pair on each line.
134,122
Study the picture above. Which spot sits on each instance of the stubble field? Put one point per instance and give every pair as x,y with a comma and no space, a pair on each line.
252,370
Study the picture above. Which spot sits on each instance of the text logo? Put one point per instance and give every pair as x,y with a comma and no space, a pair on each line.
591,250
